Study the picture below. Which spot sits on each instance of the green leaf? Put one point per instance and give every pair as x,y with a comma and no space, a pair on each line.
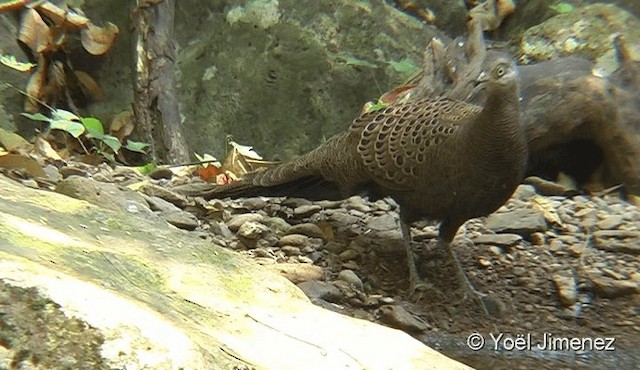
562,7
74,128
109,156
404,66
64,115
94,127
111,141
147,168
350,60
36,117
136,146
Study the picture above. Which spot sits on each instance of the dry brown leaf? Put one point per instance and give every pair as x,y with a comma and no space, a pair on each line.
28,164
35,87
44,148
60,16
242,159
89,86
98,40
546,206
122,125
13,142
34,32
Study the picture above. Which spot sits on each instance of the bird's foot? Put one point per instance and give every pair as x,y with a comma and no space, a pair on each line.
419,289
490,305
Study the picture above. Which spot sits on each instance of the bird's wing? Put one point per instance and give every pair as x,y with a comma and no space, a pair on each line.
395,140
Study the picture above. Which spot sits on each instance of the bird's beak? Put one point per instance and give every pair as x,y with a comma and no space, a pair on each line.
483,77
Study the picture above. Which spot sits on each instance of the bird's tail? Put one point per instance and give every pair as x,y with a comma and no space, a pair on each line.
315,176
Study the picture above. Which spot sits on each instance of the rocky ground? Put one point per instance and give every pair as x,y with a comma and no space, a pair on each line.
563,265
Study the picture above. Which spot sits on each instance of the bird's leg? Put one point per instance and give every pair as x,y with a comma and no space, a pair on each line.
463,280
415,283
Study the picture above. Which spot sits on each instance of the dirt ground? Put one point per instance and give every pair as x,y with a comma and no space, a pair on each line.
529,303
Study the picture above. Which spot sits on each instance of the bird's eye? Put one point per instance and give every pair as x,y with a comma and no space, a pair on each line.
500,71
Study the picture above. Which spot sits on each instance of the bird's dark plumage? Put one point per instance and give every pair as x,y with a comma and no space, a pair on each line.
439,158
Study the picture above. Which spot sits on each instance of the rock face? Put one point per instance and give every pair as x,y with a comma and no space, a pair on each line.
144,295
586,31
286,74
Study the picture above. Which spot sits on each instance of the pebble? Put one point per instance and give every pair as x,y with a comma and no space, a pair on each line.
621,241
343,218
397,317
308,229
234,223
291,250
504,240
566,289
611,288
251,230
383,223
349,254
351,277
298,272
181,219
297,240
520,221
610,222
306,210
320,290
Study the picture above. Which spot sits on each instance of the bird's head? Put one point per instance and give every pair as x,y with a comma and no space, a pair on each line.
499,71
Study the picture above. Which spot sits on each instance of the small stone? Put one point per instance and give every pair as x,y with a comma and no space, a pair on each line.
335,247
538,239
298,272
611,288
291,250
305,259
320,290
308,229
483,262
383,206
31,183
400,318
254,203
343,218
181,219
358,204
160,205
521,221
387,300
221,229
519,271
524,192
349,254
351,277
306,210
610,222
566,288
314,256
504,240
556,245
622,241
295,202
251,230
161,173
584,212
576,250
297,240
237,221
382,223
496,250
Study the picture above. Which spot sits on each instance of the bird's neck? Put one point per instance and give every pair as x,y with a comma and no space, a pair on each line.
500,115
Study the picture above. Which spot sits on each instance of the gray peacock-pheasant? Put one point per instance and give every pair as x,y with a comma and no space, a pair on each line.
438,158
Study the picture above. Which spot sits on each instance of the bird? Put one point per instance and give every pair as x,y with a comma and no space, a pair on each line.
439,158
